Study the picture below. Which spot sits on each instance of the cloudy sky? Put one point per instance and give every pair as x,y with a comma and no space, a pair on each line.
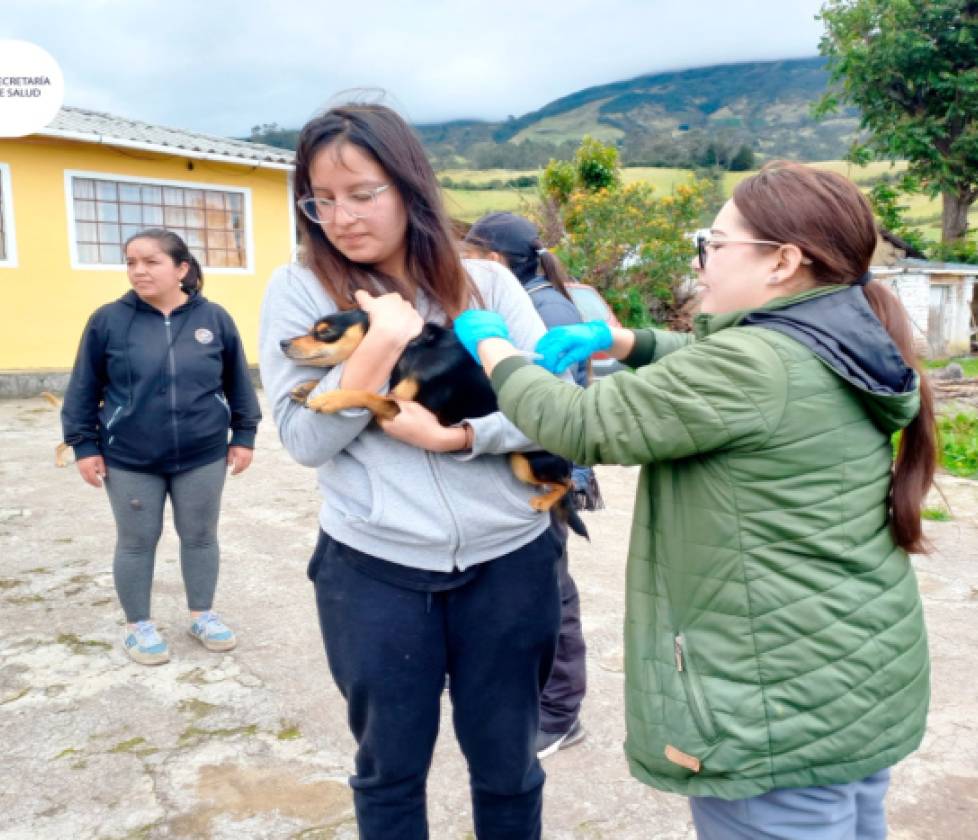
219,67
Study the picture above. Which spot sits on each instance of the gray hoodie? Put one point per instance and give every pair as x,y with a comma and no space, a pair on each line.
426,510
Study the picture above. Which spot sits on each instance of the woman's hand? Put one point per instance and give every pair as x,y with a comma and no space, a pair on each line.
92,469
475,325
391,316
417,426
564,346
239,458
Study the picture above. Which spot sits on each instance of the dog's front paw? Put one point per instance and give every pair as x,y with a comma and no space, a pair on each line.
301,392
541,503
328,403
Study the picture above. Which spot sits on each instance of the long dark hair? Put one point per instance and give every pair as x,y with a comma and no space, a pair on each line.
176,249
516,240
830,220
433,265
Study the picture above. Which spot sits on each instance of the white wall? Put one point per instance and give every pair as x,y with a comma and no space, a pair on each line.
914,293
957,319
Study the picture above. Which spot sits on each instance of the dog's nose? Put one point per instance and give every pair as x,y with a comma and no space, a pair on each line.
284,343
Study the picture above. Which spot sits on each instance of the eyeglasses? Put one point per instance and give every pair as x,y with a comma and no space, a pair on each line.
703,239
358,205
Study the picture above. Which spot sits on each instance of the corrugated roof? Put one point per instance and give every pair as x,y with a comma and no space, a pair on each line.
97,127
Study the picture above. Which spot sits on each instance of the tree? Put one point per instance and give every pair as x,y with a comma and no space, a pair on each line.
625,240
743,161
634,247
558,181
885,199
912,69
597,165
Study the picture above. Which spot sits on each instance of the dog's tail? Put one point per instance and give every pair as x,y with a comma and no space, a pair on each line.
567,510
51,398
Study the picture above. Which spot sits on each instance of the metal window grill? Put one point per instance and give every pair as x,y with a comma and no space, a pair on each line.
107,213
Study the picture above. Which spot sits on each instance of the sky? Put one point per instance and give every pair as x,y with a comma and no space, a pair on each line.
221,67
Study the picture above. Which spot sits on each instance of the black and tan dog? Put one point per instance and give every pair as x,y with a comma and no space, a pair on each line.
436,371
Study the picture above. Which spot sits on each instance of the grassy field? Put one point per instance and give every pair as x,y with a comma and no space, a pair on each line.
468,205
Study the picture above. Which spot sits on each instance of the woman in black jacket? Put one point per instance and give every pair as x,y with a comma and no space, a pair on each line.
159,379
513,241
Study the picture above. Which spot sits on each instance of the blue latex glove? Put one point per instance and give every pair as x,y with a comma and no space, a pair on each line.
564,346
475,325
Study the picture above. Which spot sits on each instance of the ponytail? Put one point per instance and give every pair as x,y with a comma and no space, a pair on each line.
916,459
554,271
194,281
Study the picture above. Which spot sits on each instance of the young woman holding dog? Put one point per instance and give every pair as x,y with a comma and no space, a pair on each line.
776,657
159,380
430,560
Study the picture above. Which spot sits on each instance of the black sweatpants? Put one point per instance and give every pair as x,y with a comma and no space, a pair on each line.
389,649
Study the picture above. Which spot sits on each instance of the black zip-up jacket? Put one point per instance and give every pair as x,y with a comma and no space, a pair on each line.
152,393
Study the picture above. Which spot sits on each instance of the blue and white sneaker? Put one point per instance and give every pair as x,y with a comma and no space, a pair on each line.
212,633
145,645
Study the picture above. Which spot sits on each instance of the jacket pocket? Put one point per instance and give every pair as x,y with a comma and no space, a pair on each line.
109,417
113,417
693,688
224,402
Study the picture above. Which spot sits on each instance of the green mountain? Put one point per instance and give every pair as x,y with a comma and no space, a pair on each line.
705,115
666,117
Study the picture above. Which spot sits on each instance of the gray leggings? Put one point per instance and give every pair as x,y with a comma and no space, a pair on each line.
137,504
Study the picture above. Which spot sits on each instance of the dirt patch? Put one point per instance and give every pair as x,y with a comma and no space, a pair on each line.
242,792
947,805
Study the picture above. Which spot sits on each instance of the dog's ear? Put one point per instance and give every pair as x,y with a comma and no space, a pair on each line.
328,332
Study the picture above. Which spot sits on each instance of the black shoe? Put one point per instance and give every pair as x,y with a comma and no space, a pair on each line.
549,742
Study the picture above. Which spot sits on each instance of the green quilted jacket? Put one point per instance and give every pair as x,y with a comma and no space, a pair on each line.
774,635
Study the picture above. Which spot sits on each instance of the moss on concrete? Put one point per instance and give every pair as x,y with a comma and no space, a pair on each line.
194,733
82,646
288,732
197,709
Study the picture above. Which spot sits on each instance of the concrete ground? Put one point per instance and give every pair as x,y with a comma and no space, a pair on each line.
254,743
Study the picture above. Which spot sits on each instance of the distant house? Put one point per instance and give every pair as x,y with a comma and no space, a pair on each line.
941,298
74,191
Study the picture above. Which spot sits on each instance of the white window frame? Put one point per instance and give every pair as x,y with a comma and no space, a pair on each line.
248,268
9,234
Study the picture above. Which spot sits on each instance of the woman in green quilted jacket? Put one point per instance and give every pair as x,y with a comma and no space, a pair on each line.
776,658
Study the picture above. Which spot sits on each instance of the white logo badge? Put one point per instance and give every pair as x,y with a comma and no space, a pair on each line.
204,336
31,88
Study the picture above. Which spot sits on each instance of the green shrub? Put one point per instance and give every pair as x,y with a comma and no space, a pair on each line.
959,443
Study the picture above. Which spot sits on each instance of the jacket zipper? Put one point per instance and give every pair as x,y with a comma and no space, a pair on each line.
457,538
173,390
694,692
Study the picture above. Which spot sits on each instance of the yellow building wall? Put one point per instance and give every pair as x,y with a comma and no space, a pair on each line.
46,302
